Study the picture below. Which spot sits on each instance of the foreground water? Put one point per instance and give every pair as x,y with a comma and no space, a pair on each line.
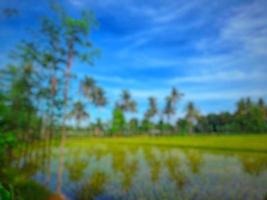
105,171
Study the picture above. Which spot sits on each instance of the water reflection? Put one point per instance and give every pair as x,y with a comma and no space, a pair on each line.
254,165
76,168
195,160
175,172
102,171
93,187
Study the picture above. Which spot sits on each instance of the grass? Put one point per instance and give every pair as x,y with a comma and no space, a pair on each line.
249,142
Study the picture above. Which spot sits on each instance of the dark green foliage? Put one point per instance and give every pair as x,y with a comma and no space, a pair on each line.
118,121
183,126
133,126
249,117
5,194
31,190
7,140
145,126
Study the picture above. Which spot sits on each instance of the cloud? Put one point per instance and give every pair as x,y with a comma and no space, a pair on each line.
227,95
244,30
222,76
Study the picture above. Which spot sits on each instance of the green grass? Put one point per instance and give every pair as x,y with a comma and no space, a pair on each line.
222,142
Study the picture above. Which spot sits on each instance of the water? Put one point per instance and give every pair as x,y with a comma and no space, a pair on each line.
107,172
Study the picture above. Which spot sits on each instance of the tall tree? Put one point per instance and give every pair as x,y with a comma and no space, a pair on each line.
192,115
171,101
169,109
98,97
118,121
175,95
87,86
74,43
127,104
93,93
99,100
152,109
262,107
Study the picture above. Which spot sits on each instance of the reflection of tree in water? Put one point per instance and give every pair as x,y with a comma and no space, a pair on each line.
254,164
30,168
92,188
128,174
195,160
76,168
154,164
127,167
176,174
18,173
99,153
118,159
31,162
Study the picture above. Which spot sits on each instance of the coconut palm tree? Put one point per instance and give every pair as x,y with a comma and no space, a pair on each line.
87,86
175,95
171,101
192,115
99,100
241,107
169,109
262,107
127,104
79,113
98,97
152,109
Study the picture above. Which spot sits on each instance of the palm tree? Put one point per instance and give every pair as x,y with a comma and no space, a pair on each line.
127,104
93,93
175,95
169,109
98,97
152,109
192,114
87,86
79,113
261,103
171,101
241,107
99,100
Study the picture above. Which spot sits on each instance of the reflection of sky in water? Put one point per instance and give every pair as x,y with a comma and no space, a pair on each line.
112,172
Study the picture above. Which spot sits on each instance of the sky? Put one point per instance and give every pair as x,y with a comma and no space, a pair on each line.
215,52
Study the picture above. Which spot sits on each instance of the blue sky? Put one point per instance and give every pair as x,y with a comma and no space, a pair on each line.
215,52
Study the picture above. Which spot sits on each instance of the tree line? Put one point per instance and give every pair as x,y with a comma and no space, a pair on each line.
248,117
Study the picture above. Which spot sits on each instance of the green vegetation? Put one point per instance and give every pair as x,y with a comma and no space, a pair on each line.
222,142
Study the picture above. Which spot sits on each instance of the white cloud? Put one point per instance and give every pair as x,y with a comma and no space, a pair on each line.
249,28
226,95
244,30
211,77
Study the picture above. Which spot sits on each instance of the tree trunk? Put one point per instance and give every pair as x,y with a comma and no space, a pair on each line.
63,133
